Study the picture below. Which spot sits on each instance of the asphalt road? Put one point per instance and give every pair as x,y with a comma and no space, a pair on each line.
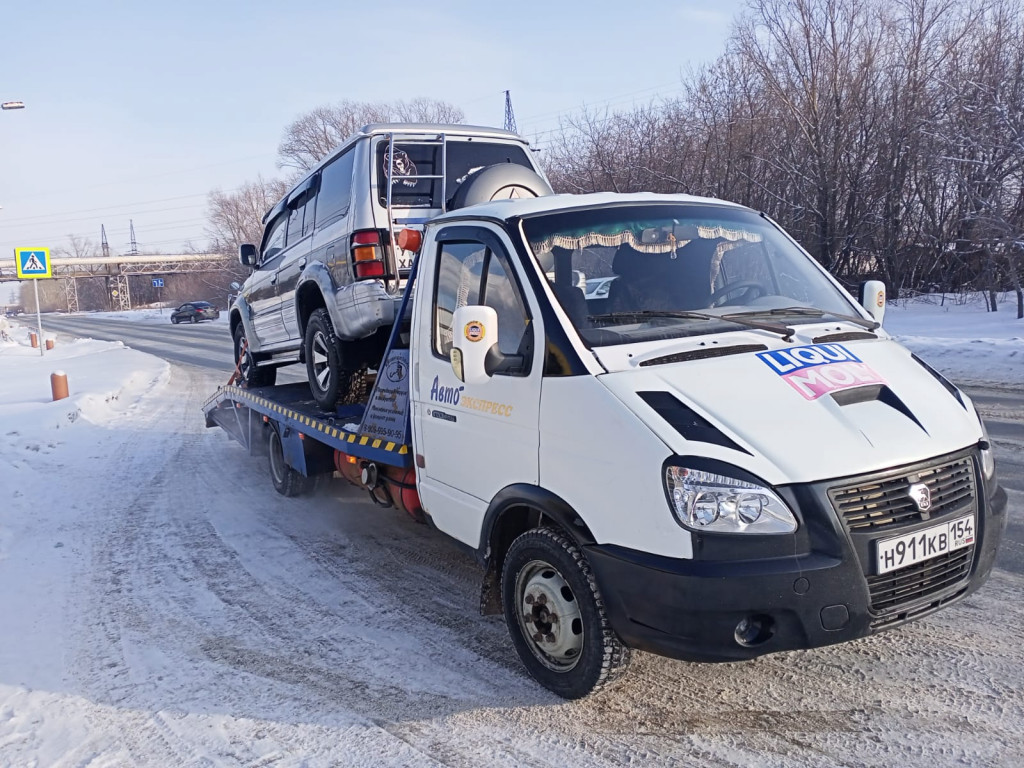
204,345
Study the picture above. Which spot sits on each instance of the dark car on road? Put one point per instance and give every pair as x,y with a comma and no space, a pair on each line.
194,311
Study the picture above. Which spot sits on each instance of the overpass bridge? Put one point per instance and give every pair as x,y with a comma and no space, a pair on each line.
117,270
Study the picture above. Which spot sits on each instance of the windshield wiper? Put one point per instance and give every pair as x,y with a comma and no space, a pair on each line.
784,331
813,312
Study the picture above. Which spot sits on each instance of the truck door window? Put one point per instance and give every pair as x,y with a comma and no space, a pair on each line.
470,273
335,190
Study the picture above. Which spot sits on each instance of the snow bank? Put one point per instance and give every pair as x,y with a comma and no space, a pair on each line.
104,378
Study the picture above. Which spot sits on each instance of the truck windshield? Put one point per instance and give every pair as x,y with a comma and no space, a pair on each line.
672,270
423,158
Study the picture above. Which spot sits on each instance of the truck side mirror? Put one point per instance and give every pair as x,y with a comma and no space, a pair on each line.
474,332
247,255
872,298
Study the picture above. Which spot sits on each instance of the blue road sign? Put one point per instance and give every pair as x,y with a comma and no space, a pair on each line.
158,282
32,263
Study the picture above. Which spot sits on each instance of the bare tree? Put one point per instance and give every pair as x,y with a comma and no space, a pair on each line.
313,135
237,217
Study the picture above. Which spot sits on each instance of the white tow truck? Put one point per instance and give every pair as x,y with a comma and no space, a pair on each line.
723,455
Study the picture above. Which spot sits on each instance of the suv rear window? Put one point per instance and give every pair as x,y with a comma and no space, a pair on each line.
413,159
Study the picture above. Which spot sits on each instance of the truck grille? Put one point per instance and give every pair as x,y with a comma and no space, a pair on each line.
884,503
878,506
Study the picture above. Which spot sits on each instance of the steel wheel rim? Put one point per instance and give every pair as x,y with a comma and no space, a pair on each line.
276,458
549,616
321,361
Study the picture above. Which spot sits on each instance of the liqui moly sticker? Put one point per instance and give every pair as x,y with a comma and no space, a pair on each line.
820,369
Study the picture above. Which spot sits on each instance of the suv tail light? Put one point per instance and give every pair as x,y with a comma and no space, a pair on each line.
367,254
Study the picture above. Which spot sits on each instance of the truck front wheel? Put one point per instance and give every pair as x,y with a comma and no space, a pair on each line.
328,379
556,617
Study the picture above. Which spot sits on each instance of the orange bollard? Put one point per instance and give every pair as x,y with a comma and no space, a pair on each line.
49,343
33,339
59,385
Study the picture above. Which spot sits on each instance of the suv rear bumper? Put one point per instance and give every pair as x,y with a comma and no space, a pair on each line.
361,308
691,609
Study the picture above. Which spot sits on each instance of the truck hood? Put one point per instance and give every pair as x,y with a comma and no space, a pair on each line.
804,413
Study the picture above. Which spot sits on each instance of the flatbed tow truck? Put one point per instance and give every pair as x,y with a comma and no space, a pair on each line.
726,457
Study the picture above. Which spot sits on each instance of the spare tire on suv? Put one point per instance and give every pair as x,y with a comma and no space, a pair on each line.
500,182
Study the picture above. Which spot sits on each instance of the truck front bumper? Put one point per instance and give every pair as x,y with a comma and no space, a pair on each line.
712,610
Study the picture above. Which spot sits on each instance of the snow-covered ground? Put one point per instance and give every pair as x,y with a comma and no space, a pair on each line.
159,605
963,341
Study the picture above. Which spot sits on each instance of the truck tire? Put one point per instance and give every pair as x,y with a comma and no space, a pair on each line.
556,617
499,182
286,480
250,373
328,378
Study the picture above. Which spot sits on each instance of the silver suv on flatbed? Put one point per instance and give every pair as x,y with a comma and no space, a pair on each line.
327,277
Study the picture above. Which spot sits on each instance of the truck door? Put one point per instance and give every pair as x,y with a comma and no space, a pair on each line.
471,441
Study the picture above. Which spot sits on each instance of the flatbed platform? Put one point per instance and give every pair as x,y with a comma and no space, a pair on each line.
240,412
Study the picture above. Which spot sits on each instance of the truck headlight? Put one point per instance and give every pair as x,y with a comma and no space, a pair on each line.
703,501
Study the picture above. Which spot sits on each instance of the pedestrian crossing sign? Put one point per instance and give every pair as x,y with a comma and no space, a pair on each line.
32,263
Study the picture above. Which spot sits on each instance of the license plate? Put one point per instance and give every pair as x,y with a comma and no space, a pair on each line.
911,548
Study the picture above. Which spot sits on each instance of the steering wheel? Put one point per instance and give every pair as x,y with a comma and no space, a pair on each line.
747,286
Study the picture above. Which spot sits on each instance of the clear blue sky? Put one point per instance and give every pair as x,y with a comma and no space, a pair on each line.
137,110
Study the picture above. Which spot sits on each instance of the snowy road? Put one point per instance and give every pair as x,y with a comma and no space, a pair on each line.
201,619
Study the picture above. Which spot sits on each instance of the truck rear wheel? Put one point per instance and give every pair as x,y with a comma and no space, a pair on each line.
328,379
250,373
556,617
286,480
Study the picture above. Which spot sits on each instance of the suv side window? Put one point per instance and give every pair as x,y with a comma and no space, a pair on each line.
471,273
300,216
335,190
274,240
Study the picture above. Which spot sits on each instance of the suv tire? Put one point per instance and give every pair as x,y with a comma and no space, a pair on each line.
250,373
328,378
500,182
